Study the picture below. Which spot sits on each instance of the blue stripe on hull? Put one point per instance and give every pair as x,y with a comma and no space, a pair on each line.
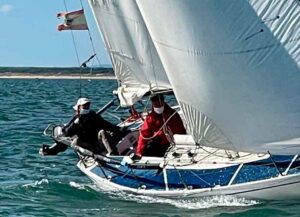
195,179
133,178
265,169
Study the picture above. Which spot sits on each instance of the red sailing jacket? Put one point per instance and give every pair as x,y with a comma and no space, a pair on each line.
152,125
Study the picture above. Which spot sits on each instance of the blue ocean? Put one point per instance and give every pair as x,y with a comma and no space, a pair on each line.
33,185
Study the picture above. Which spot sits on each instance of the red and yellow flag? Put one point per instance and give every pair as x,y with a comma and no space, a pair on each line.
74,20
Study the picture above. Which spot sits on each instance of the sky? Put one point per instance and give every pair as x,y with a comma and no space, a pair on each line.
29,36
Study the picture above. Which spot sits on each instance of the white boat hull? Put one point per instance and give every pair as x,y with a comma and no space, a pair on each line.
278,188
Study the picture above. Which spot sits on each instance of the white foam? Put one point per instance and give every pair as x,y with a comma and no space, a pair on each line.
190,203
77,185
37,183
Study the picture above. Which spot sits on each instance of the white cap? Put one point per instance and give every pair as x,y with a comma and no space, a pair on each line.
81,101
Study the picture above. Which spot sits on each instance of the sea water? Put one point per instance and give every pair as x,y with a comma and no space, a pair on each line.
33,185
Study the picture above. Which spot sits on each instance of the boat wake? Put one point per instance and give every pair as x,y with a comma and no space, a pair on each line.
196,203
189,203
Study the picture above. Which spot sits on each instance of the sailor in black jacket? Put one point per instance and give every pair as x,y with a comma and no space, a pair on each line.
91,129
87,126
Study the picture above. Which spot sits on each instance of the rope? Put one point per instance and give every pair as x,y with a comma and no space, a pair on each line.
165,123
213,153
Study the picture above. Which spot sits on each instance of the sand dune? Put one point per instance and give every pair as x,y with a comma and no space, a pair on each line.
53,76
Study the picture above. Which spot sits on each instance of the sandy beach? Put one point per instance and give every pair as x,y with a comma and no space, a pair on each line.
53,76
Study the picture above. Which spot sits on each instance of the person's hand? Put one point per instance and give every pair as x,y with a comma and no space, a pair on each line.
44,150
76,121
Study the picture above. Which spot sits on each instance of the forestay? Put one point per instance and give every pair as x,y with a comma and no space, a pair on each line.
234,67
134,58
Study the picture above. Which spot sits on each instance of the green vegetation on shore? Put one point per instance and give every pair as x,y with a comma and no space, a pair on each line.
56,70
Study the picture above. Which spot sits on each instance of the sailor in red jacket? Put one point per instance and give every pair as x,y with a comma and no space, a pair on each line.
158,128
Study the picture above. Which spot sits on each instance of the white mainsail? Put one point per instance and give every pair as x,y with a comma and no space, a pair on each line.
234,67
132,52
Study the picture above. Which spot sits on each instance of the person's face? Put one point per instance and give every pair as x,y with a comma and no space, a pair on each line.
85,106
82,107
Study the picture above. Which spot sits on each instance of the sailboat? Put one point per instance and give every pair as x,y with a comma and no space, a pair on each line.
235,73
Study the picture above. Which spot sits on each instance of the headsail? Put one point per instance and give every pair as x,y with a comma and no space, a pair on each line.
234,68
134,58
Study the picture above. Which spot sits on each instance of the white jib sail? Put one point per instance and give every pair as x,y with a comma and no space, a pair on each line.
234,67
132,52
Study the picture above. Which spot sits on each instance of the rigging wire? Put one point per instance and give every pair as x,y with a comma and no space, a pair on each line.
91,39
81,66
76,51
180,177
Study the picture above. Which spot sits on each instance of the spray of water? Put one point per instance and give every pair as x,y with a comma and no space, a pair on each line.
189,203
37,183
